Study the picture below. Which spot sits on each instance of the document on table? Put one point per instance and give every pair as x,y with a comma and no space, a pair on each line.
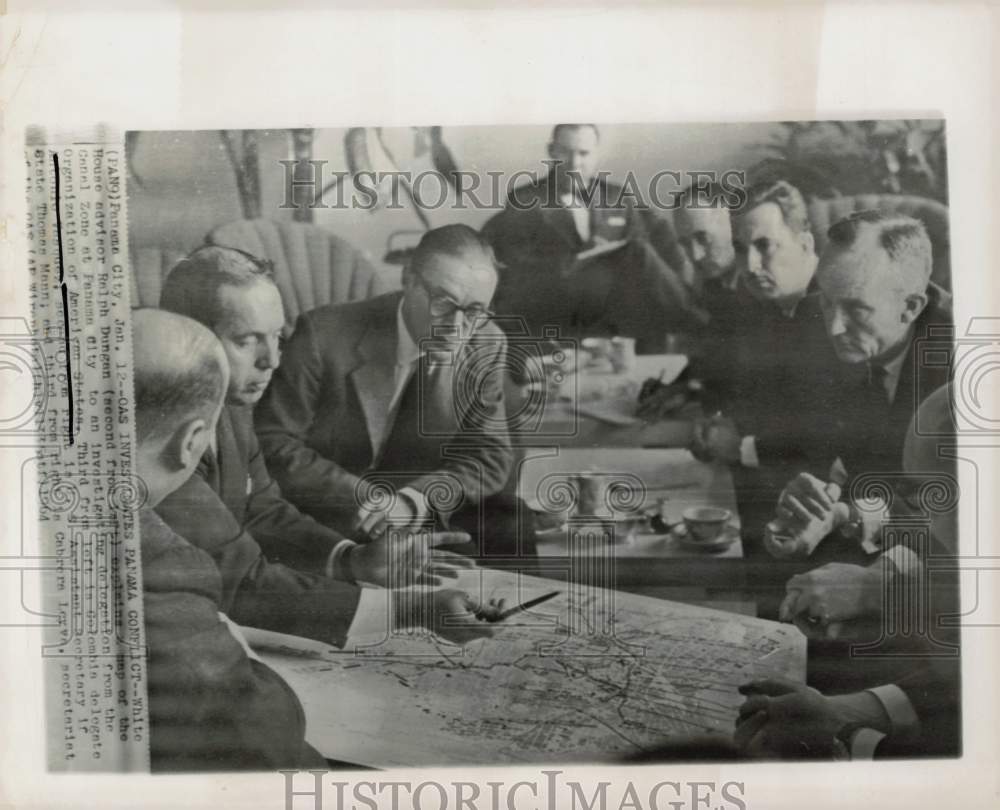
592,675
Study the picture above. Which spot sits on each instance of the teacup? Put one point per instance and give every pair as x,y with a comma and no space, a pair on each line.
598,347
705,523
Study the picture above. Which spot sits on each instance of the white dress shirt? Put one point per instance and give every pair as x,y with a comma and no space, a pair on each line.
580,212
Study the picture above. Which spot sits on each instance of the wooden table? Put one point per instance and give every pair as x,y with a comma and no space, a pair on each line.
575,416
651,564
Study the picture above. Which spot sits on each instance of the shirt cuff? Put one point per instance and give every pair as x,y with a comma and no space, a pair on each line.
905,560
335,563
864,741
421,509
748,452
902,716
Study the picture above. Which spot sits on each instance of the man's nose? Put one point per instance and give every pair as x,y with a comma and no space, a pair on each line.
269,355
835,323
698,252
754,264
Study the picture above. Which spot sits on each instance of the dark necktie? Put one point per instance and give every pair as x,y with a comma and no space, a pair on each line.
874,385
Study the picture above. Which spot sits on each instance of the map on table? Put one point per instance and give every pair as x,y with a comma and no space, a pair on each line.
591,675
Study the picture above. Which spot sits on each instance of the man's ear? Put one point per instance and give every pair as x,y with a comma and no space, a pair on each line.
551,148
914,305
187,445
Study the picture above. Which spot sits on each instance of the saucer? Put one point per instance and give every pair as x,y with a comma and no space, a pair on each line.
728,536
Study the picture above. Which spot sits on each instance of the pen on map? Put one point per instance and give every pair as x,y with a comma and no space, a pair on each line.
523,606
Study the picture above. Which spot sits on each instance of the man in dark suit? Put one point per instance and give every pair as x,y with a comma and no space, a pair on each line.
212,704
277,565
882,315
390,411
766,400
575,252
918,707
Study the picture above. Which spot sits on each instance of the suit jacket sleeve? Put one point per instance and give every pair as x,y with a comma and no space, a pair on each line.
254,591
480,458
933,687
284,534
283,420
211,706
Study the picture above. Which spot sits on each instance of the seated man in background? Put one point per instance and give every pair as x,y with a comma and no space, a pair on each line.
212,705
576,255
703,225
390,411
781,355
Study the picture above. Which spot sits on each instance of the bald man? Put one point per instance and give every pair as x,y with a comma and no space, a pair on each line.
211,706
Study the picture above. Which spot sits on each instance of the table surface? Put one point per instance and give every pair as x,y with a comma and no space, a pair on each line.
595,407
671,477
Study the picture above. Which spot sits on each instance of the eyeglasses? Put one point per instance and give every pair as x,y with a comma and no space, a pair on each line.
441,306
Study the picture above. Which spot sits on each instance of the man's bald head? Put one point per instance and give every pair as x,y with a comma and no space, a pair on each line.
180,372
180,380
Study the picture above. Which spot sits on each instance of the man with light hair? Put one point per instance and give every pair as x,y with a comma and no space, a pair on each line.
886,321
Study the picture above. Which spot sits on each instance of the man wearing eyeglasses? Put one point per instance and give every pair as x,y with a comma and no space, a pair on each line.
389,412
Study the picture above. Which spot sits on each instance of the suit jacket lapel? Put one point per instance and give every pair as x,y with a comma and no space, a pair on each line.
374,378
232,470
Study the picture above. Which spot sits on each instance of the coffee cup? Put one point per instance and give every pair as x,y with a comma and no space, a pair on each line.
705,523
622,354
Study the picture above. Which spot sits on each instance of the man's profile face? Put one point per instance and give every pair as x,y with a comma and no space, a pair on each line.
775,260
250,332
864,307
576,150
706,235
435,294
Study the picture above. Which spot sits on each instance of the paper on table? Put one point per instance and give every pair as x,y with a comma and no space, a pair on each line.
613,398
592,675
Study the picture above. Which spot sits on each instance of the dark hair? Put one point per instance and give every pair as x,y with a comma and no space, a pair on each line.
784,195
903,238
180,372
451,240
558,128
192,287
